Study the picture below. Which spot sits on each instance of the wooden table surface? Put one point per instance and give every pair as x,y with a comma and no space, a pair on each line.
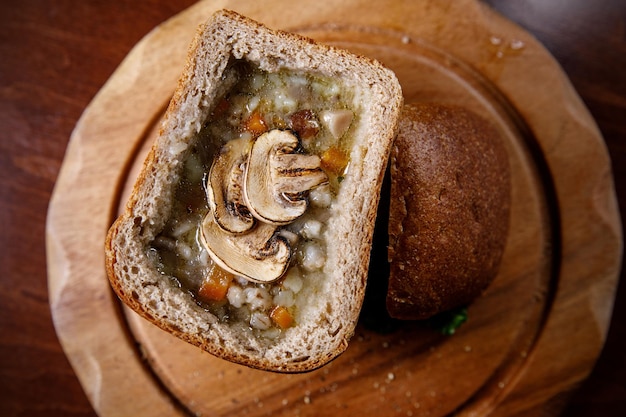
55,55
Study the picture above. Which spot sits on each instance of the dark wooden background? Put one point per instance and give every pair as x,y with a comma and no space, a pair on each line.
56,54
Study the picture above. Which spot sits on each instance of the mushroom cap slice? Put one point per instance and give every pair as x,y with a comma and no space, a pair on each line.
278,177
260,255
224,187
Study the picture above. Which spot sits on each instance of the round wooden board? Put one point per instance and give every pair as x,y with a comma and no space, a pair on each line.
530,339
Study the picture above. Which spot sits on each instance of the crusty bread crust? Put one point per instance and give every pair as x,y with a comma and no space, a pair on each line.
327,322
449,210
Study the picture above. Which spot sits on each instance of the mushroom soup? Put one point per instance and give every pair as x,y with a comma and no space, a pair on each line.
246,232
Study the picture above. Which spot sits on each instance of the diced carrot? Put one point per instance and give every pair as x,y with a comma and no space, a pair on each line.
255,124
215,285
334,160
281,316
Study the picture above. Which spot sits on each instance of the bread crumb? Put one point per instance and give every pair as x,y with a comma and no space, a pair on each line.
495,40
516,44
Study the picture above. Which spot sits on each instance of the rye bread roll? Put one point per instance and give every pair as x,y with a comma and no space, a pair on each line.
247,98
449,210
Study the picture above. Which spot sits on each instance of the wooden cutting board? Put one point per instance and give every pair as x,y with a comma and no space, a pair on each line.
530,339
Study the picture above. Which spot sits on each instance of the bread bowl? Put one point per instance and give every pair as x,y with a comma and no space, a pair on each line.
180,229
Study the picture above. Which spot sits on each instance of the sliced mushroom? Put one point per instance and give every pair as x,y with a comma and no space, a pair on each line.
224,187
278,177
259,255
